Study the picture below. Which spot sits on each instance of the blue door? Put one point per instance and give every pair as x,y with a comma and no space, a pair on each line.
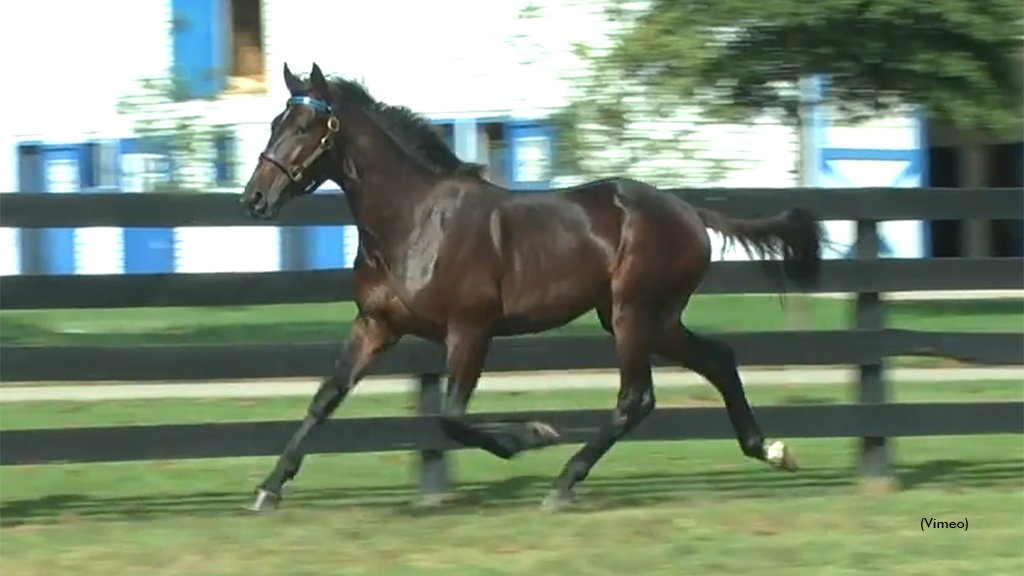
530,150
62,174
143,165
199,29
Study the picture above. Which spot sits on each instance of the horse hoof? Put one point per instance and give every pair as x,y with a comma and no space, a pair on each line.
558,500
543,430
265,501
781,456
543,434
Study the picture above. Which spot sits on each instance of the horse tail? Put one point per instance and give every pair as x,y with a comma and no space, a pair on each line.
795,236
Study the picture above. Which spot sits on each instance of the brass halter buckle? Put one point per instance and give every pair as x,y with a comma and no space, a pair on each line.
333,125
295,173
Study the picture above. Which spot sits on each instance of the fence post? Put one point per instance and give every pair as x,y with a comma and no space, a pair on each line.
33,259
434,483
294,248
870,315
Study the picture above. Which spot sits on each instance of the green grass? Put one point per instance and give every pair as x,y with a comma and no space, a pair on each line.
654,509
327,322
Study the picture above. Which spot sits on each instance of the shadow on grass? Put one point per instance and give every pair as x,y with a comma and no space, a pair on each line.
956,474
522,492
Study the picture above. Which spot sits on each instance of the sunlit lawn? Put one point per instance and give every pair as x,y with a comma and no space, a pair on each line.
650,508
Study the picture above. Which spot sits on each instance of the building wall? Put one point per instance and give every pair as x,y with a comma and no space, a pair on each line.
74,74
456,59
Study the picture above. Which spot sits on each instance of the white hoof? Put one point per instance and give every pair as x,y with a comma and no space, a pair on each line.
779,455
558,500
265,501
543,430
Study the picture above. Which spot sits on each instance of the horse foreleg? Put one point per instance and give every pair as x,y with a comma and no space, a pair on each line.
368,340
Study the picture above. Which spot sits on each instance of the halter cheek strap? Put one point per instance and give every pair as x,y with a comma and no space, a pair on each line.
296,172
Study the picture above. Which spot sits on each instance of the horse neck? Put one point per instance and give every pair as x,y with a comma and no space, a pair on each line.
388,184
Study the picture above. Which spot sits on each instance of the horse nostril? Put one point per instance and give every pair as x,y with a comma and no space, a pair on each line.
257,198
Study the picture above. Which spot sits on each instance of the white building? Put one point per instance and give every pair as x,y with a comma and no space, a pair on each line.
462,63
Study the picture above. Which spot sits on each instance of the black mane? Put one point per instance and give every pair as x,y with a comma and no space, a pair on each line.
413,131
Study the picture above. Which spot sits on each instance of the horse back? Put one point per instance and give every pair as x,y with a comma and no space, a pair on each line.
556,253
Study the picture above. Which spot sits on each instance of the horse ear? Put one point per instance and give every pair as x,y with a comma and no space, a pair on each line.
292,81
317,80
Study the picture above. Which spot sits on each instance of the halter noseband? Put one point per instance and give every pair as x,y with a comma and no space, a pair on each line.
296,172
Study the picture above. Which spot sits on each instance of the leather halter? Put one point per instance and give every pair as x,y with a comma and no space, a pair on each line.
296,172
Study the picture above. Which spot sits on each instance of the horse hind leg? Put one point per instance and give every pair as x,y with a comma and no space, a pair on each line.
715,361
635,402
467,350
604,316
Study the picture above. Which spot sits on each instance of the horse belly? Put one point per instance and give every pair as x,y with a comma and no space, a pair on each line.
542,290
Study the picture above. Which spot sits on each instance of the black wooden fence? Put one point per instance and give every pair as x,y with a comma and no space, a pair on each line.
866,344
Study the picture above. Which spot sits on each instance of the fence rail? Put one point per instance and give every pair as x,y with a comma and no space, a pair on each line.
43,291
43,210
866,345
258,361
386,434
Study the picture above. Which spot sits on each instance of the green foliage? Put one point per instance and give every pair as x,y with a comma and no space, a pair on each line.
158,113
611,125
961,60
736,60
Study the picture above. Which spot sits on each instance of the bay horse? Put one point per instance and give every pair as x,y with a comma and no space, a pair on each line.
448,256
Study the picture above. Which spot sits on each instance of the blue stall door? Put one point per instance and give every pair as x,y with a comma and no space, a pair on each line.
144,164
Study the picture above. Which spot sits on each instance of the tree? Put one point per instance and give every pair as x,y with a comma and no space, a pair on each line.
179,129
662,63
960,60
611,125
